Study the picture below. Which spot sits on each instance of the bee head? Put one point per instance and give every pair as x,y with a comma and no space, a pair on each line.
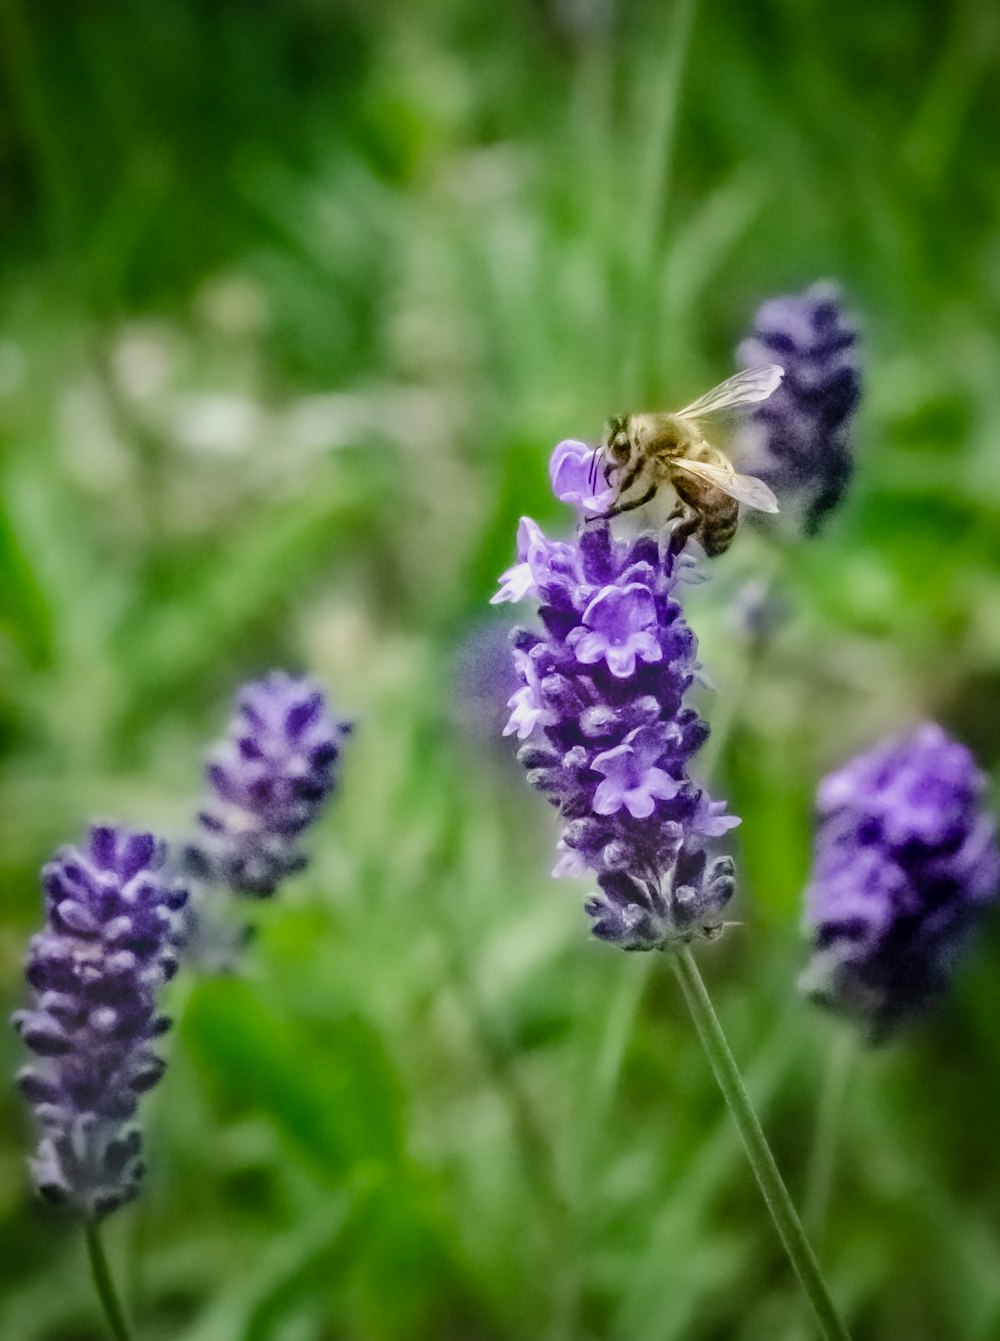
617,443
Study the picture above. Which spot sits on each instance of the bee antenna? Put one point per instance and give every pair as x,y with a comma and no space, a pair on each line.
592,473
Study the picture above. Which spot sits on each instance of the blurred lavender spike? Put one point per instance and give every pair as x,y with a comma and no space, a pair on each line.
799,440
96,970
905,860
270,779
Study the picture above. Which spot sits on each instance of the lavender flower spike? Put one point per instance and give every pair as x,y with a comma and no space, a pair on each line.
608,736
270,779
96,970
905,861
799,439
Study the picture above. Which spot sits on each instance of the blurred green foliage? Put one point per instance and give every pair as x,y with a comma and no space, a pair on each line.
294,299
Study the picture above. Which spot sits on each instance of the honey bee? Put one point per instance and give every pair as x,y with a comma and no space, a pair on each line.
655,449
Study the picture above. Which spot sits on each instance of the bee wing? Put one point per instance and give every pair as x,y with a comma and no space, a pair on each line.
746,388
744,488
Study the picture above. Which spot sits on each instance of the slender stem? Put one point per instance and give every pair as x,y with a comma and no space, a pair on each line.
106,1291
603,1078
529,1131
742,677
39,127
775,1194
498,1053
665,62
603,1075
823,1155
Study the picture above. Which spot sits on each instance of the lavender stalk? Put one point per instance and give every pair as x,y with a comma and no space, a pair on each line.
97,970
906,860
609,743
765,1170
104,1283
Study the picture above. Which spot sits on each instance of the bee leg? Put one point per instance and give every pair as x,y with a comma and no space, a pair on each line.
632,504
630,477
685,528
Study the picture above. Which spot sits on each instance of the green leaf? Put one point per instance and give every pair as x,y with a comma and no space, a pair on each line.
337,1104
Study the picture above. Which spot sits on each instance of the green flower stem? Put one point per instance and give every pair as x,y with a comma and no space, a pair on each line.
823,1155
662,63
779,1203
106,1291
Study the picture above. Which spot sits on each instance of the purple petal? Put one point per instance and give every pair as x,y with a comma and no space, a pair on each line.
570,863
300,715
515,584
609,797
621,660
575,472
638,802
660,784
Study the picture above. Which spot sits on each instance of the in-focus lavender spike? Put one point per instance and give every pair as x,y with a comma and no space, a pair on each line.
608,738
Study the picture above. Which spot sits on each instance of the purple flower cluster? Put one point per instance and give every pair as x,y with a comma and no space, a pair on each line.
905,860
608,738
269,779
799,439
97,969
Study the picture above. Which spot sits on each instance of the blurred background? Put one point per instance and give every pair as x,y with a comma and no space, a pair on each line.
295,298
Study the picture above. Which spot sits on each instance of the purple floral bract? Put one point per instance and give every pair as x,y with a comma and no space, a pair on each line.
608,736
97,969
270,779
905,860
799,439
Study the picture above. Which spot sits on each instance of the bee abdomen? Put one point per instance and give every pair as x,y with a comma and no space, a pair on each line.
717,530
